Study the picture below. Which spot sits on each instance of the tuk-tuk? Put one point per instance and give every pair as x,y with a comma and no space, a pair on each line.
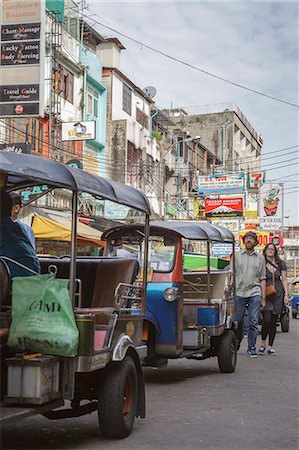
189,311
294,285
108,305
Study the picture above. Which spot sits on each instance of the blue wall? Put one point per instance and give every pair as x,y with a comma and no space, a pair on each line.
93,79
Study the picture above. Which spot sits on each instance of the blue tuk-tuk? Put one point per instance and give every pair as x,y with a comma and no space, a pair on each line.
295,297
190,308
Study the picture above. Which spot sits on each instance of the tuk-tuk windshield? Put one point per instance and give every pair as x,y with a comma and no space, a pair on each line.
195,255
161,250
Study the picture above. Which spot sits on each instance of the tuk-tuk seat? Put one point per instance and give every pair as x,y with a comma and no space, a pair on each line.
100,278
5,283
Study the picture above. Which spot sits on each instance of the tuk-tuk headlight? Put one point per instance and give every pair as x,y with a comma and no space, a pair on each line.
171,294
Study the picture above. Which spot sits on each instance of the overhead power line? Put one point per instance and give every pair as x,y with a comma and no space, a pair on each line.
191,66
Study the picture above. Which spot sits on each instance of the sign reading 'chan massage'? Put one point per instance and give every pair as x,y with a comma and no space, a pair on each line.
22,56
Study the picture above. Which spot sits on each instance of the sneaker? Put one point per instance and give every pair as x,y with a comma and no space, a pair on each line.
272,352
252,352
262,350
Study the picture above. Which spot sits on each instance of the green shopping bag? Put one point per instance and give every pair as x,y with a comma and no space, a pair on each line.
42,317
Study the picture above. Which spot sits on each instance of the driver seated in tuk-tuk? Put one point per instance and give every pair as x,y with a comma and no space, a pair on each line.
15,247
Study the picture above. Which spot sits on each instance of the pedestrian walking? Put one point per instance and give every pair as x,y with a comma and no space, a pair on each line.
276,282
250,290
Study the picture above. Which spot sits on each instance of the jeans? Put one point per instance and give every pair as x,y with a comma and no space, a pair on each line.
253,308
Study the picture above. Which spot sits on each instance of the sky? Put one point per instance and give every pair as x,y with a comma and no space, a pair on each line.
251,43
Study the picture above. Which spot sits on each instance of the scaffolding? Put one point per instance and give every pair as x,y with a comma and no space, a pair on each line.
54,54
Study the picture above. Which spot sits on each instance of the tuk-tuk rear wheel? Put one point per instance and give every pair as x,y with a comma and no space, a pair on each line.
118,399
227,352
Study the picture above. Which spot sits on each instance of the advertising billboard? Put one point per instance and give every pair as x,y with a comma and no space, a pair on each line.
22,57
224,207
263,239
271,206
221,183
78,131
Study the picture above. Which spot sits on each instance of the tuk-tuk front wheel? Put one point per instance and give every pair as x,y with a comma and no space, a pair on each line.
227,352
118,399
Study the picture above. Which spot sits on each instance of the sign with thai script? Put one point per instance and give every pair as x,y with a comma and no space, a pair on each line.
17,147
221,183
271,206
224,207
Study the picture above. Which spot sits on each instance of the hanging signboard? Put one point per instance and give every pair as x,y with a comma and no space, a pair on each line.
224,207
262,238
271,206
255,179
221,183
16,147
22,58
78,131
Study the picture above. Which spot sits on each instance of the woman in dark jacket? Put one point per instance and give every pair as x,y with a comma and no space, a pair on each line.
275,303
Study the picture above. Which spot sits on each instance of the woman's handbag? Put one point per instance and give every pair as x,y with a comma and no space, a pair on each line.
270,289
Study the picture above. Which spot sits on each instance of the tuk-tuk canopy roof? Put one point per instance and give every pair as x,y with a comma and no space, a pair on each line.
29,170
193,230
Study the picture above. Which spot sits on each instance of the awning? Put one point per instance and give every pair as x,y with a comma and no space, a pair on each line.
60,230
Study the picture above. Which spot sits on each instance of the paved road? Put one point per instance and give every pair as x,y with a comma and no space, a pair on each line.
190,405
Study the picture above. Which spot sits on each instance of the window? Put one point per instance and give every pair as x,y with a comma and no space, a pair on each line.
92,102
142,118
67,85
127,99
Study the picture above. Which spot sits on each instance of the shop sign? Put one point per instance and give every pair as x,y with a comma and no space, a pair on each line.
230,224
255,179
221,249
19,109
262,237
21,31
20,53
75,163
221,183
19,93
22,57
16,147
224,207
271,206
78,131
33,193
249,214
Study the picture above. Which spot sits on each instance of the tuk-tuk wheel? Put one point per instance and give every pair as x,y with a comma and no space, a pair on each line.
118,399
227,352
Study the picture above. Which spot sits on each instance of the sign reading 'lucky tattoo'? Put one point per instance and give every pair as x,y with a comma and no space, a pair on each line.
20,53
20,32
19,93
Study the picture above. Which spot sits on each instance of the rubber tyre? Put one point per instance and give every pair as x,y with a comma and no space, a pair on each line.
227,352
285,323
294,313
118,399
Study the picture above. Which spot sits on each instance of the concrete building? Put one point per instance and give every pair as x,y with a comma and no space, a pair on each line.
226,132
132,155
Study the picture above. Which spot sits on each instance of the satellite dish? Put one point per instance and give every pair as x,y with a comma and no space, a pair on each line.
150,91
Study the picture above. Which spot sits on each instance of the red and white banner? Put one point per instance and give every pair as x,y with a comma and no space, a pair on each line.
224,207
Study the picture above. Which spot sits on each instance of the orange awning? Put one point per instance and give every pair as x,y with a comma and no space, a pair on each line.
60,230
